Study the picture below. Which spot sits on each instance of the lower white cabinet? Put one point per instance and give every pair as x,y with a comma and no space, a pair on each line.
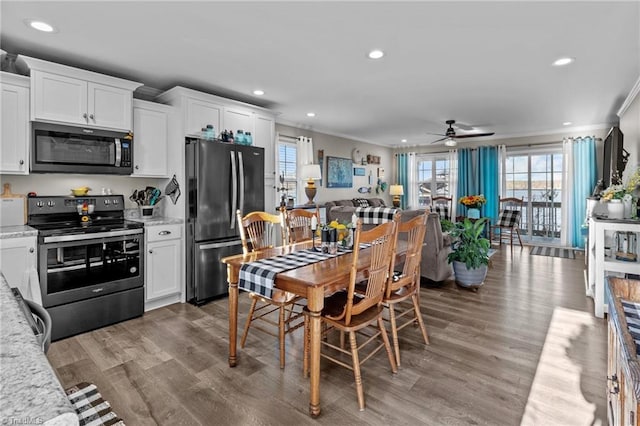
163,261
17,257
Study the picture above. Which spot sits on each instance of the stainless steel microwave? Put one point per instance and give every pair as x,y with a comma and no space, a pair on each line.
67,149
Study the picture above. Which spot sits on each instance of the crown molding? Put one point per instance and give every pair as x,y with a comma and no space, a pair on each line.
632,96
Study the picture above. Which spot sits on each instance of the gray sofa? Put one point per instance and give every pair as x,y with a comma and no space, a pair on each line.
434,267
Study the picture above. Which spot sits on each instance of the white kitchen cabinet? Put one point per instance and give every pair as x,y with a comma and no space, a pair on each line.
17,257
163,261
69,95
264,136
150,139
14,124
199,113
238,119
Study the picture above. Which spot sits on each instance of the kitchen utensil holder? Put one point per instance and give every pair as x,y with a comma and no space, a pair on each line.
146,211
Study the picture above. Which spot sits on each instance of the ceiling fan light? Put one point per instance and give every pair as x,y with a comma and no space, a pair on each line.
450,142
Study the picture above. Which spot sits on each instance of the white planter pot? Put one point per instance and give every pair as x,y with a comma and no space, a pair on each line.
469,278
616,209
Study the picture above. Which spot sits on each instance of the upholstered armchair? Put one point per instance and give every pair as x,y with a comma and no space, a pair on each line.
434,267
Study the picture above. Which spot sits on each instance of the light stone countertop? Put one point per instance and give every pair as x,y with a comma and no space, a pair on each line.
153,221
29,389
17,231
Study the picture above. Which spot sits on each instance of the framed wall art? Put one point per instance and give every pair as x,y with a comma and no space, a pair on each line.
358,171
339,173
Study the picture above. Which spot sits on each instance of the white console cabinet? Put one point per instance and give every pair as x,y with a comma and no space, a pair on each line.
603,263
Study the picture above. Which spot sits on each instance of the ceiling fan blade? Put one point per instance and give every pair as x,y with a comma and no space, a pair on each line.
436,134
475,135
439,140
463,126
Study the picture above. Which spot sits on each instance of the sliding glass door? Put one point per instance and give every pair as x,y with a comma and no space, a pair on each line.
536,177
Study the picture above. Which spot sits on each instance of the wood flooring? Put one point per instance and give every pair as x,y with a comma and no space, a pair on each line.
524,349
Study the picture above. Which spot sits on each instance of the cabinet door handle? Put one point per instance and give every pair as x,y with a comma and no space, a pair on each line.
137,167
164,232
150,251
31,250
91,116
21,162
85,116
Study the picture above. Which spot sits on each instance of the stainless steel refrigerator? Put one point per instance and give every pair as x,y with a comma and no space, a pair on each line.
221,178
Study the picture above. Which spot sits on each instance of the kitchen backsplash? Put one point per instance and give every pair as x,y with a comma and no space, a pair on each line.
61,184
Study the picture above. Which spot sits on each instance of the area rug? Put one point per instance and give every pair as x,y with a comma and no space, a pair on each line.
553,252
91,408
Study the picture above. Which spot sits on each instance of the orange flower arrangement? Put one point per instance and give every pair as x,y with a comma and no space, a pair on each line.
473,201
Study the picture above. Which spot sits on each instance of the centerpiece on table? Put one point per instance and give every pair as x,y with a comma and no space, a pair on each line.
473,204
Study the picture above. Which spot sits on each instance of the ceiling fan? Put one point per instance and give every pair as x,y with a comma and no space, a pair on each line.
450,136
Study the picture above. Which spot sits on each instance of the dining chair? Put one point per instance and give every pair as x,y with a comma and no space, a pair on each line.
508,221
351,312
257,233
405,285
442,206
298,224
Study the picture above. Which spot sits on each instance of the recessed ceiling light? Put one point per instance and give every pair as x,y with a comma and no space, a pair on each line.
567,123
311,114
562,61
258,92
376,54
403,140
40,26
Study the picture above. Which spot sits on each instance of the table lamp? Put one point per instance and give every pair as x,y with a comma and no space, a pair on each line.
396,191
310,172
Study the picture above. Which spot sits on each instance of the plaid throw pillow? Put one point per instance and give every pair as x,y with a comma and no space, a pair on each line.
361,202
509,218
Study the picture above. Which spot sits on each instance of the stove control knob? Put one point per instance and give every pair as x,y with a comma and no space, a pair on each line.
40,204
115,201
51,203
106,202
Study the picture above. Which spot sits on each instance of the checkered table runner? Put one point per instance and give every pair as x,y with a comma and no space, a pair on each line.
632,315
258,276
375,215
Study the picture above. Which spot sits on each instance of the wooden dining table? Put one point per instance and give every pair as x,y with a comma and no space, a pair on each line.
312,282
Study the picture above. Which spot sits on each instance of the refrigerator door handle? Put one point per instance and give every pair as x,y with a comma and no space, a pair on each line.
234,190
241,174
218,245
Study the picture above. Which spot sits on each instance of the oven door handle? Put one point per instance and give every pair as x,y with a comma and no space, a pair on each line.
92,236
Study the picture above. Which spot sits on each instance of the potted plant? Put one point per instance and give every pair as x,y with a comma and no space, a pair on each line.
470,255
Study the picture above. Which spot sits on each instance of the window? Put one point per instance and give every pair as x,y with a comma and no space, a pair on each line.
536,177
434,174
287,170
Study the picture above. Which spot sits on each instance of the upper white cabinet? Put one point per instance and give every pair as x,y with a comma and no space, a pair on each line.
150,139
264,134
72,96
200,113
14,124
238,119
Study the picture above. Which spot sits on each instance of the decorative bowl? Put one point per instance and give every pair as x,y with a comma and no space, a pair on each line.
79,192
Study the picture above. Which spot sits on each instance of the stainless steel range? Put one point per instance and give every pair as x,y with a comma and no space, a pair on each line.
90,261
